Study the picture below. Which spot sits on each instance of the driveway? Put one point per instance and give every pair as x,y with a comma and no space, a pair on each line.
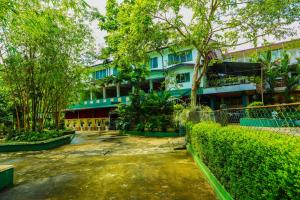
107,166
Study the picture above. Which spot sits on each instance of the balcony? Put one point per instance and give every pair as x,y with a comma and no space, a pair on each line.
227,84
100,103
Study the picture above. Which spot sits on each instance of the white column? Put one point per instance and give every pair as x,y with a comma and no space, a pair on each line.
104,92
91,95
151,85
118,89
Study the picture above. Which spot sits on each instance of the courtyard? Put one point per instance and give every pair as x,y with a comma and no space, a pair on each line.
108,166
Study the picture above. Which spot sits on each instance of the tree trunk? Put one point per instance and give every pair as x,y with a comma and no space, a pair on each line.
56,115
18,119
34,112
195,82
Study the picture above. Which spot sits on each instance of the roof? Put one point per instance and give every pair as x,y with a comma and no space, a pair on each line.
285,44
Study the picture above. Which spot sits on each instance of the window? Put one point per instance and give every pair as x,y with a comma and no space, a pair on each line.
184,56
276,54
153,63
115,71
100,74
183,78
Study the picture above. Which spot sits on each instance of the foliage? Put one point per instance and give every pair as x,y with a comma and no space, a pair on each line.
281,68
250,164
137,27
44,46
33,136
152,111
6,108
250,112
289,73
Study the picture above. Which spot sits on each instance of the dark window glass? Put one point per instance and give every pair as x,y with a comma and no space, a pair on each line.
115,71
183,78
100,74
153,63
171,59
189,56
184,56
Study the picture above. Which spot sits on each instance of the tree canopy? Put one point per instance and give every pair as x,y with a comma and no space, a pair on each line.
44,46
136,27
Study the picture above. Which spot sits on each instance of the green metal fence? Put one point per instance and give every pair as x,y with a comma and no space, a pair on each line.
279,118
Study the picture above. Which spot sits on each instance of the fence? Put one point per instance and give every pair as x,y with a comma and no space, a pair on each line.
280,118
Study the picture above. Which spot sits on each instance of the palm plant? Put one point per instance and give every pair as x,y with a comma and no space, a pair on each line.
291,81
269,71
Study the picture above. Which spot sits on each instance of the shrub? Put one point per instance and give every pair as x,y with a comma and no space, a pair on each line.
251,164
258,112
34,136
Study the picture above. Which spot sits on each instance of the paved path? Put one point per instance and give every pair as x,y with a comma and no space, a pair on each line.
97,166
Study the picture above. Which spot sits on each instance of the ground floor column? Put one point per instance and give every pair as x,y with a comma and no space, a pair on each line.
212,102
245,100
151,85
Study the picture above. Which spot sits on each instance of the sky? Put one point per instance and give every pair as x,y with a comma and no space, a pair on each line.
99,35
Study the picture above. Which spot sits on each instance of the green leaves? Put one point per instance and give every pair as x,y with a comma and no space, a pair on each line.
45,46
153,111
251,164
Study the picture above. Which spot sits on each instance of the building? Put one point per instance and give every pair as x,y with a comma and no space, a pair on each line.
234,82
292,47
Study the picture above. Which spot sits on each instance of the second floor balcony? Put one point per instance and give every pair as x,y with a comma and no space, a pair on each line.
231,80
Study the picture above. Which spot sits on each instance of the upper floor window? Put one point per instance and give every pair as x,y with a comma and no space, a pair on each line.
153,63
100,74
184,56
183,78
115,71
276,54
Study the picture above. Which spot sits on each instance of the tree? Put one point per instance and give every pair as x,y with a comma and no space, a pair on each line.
269,72
213,25
290,75
126,46
43,49
280,68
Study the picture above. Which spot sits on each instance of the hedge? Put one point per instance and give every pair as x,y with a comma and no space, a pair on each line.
249,163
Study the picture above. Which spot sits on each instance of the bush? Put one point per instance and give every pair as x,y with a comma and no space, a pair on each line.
152,111
251,164
33,136
258,112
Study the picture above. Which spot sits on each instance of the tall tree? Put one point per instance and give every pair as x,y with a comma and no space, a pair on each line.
212,25
44,48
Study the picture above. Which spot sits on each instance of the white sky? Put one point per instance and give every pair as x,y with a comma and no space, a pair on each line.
99,35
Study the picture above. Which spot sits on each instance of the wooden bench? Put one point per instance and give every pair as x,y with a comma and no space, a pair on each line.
6,176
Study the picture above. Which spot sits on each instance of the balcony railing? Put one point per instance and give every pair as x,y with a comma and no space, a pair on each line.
100,103
230,80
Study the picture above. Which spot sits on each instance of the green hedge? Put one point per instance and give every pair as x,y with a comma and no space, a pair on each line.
15,136
251,164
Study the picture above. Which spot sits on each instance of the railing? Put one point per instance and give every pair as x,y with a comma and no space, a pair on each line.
98,103
279,118
230,80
